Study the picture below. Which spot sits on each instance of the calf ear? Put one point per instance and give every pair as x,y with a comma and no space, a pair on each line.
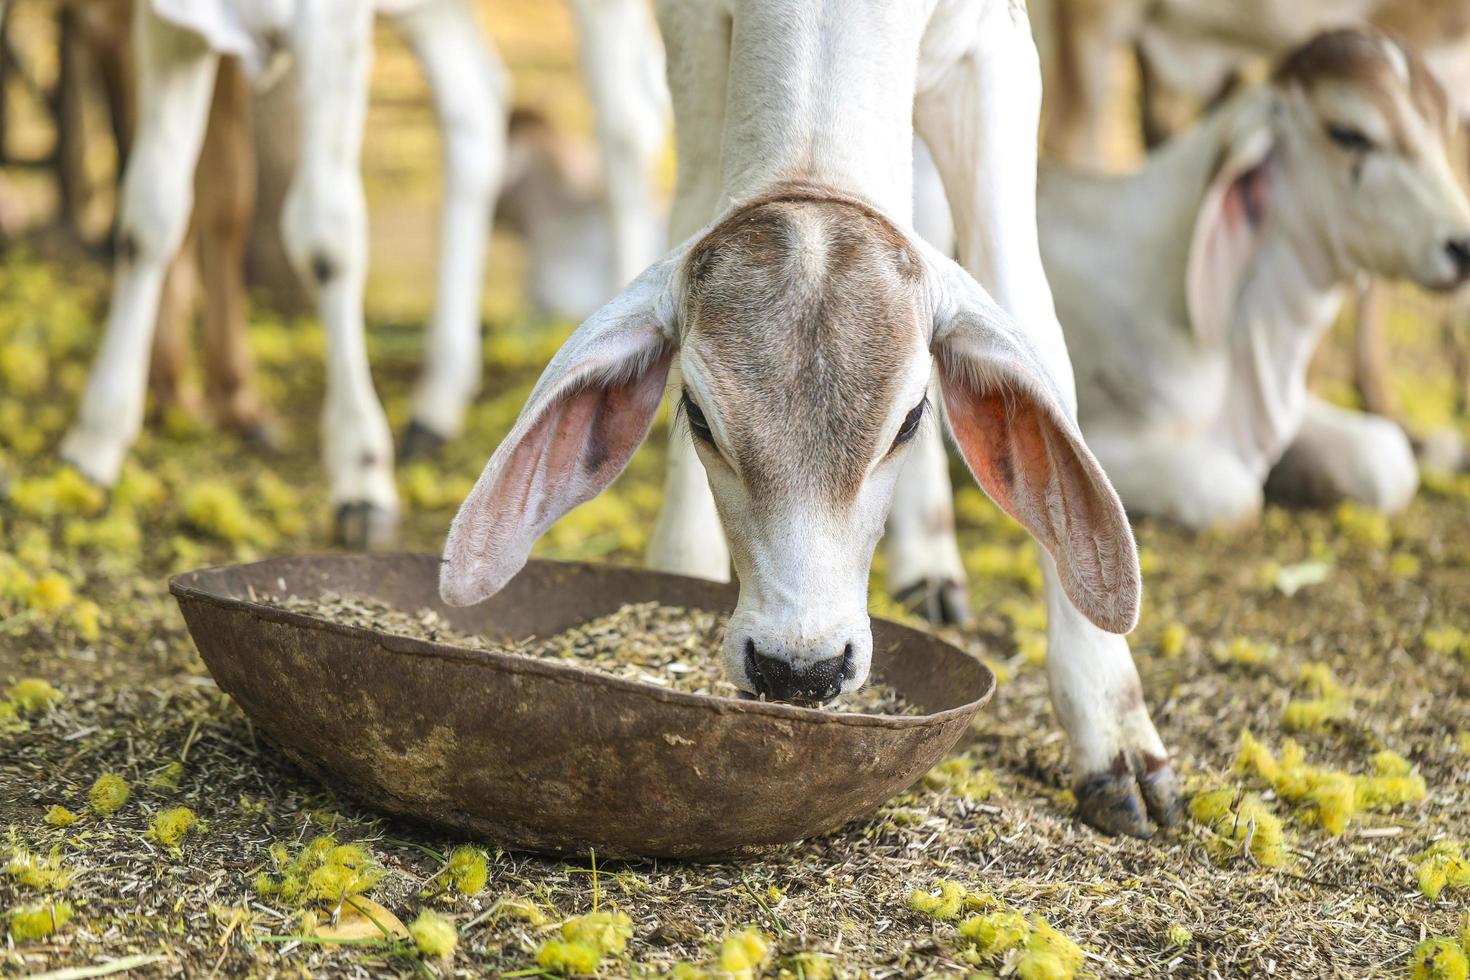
1009,416
1226,233
589,412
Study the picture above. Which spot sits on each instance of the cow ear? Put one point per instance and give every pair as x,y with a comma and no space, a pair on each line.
1227,233
1011,419
585,418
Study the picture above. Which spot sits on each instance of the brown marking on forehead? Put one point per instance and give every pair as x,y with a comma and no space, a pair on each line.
1361,58
804,307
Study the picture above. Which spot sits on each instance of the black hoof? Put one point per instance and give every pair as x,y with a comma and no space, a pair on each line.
1162,797
1113,805
420,442
362,525
262,435
943,602
1131,799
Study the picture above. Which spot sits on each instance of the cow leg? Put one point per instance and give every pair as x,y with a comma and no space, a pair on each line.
979,118
470,88
325,228
175,79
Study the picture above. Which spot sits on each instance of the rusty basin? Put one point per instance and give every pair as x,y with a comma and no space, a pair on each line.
550,757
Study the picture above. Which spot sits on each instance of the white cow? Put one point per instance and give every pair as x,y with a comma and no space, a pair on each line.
1196,290
800,323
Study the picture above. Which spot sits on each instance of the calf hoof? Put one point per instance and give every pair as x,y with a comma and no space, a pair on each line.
1124,803
363,525
420,442
262,435
943,602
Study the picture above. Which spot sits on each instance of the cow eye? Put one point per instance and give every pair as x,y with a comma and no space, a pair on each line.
698,424
1349,137
910,425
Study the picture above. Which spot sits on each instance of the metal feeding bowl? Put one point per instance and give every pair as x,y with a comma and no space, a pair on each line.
551,757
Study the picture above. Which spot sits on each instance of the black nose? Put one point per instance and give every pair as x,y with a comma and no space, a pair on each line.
780,680
1458,249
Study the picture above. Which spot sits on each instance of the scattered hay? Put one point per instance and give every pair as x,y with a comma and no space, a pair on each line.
1330,796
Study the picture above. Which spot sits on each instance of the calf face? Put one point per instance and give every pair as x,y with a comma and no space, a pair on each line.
1370,134
806,326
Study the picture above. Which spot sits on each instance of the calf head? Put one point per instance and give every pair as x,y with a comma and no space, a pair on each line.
806,327
1354,150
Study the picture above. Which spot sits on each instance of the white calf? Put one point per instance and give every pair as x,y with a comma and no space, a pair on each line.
802,321
1195,290
178,47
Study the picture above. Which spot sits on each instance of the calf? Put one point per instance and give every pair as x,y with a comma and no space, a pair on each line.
178,48
1195,290
798,325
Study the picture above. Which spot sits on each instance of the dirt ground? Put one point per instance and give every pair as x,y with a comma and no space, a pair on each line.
1221,648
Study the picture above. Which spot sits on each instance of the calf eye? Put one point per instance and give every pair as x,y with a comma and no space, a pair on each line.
1349,137
910,425
698,424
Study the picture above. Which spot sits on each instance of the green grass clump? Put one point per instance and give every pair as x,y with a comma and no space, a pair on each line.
1439,959
1247,653
434,934
963,777
59,816
39,921
42,874
467,870
108,794
32,695
607,932
169,827
945,902
1240,821
1329,701
323,871
1329,796
744,953
568,959
1443,865
213,508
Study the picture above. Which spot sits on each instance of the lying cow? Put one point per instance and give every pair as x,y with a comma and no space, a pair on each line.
1194,291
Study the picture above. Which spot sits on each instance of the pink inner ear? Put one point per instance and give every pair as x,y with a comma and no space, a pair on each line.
577,444
1038,471
1224,239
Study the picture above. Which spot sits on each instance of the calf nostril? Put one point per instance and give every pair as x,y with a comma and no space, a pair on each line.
844,673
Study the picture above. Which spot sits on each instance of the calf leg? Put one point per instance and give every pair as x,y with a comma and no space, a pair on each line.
622,62
924,566
1345,455
469,86
688,538
325,227
979,118
225,192
175,79
1370,354
170,361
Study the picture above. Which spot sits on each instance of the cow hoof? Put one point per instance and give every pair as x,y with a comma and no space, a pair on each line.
1125,804
420,442
363,525
943,602
262,434
1162,797
1113,805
